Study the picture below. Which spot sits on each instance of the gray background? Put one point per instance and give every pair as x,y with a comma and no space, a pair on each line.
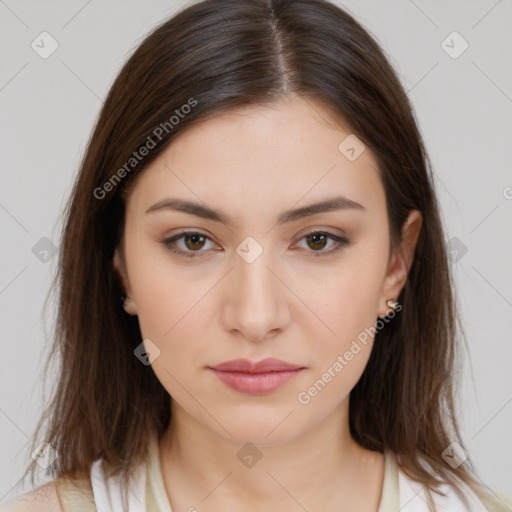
463,105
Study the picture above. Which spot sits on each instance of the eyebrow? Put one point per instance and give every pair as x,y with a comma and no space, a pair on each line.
205,212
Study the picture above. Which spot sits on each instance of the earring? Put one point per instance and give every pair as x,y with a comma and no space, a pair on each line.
122,299
393,304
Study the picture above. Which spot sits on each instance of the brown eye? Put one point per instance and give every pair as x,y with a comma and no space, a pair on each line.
189,244
195,241
317,241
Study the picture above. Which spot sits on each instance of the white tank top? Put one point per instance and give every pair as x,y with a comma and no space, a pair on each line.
399,493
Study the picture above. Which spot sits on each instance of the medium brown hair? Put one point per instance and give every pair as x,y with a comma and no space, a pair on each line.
218,55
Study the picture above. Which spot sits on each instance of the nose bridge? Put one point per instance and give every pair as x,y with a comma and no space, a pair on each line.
257,302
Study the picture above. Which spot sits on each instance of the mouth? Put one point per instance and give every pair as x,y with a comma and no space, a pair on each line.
255,378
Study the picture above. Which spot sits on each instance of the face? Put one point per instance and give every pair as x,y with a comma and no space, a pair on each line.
264,277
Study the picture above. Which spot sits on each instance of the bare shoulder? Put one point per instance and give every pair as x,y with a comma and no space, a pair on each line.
41,499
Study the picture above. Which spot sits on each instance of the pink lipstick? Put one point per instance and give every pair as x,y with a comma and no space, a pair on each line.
255,378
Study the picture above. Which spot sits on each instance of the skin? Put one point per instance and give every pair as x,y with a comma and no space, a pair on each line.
252,164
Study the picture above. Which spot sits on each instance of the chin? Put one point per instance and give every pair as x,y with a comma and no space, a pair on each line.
252,428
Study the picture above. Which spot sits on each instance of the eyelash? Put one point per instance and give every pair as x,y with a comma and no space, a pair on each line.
341,242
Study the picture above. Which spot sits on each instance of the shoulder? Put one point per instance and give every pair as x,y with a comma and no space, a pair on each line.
413,498
41,499
59,495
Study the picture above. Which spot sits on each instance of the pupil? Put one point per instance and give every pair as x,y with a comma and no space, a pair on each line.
195,239
315,239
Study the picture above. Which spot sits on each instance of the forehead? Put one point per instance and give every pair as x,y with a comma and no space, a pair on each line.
288,152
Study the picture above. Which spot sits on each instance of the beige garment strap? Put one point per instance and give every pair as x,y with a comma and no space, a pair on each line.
495,501
156,495
75,495
151,500
389,497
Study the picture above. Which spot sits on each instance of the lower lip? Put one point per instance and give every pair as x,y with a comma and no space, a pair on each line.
255,383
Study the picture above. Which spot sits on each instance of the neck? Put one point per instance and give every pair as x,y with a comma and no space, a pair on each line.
203,469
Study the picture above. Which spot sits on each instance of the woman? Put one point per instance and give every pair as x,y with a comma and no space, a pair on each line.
258,195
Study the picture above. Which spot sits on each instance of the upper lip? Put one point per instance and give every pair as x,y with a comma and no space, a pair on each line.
247,366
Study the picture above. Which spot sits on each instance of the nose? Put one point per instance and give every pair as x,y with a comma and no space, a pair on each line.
257,302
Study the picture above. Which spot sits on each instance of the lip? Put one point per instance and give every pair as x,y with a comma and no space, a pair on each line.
269,364
259,377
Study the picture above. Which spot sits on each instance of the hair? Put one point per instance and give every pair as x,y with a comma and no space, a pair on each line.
214,56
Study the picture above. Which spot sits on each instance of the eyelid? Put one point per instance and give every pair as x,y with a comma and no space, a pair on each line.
330,231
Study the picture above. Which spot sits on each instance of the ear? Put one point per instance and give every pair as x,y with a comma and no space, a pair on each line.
401,261
120,267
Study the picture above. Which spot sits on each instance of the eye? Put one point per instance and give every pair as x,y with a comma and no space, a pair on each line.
193,240
318,240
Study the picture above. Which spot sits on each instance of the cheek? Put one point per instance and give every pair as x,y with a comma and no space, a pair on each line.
166,295
347,300
339,355
173,314
347,303
176,306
